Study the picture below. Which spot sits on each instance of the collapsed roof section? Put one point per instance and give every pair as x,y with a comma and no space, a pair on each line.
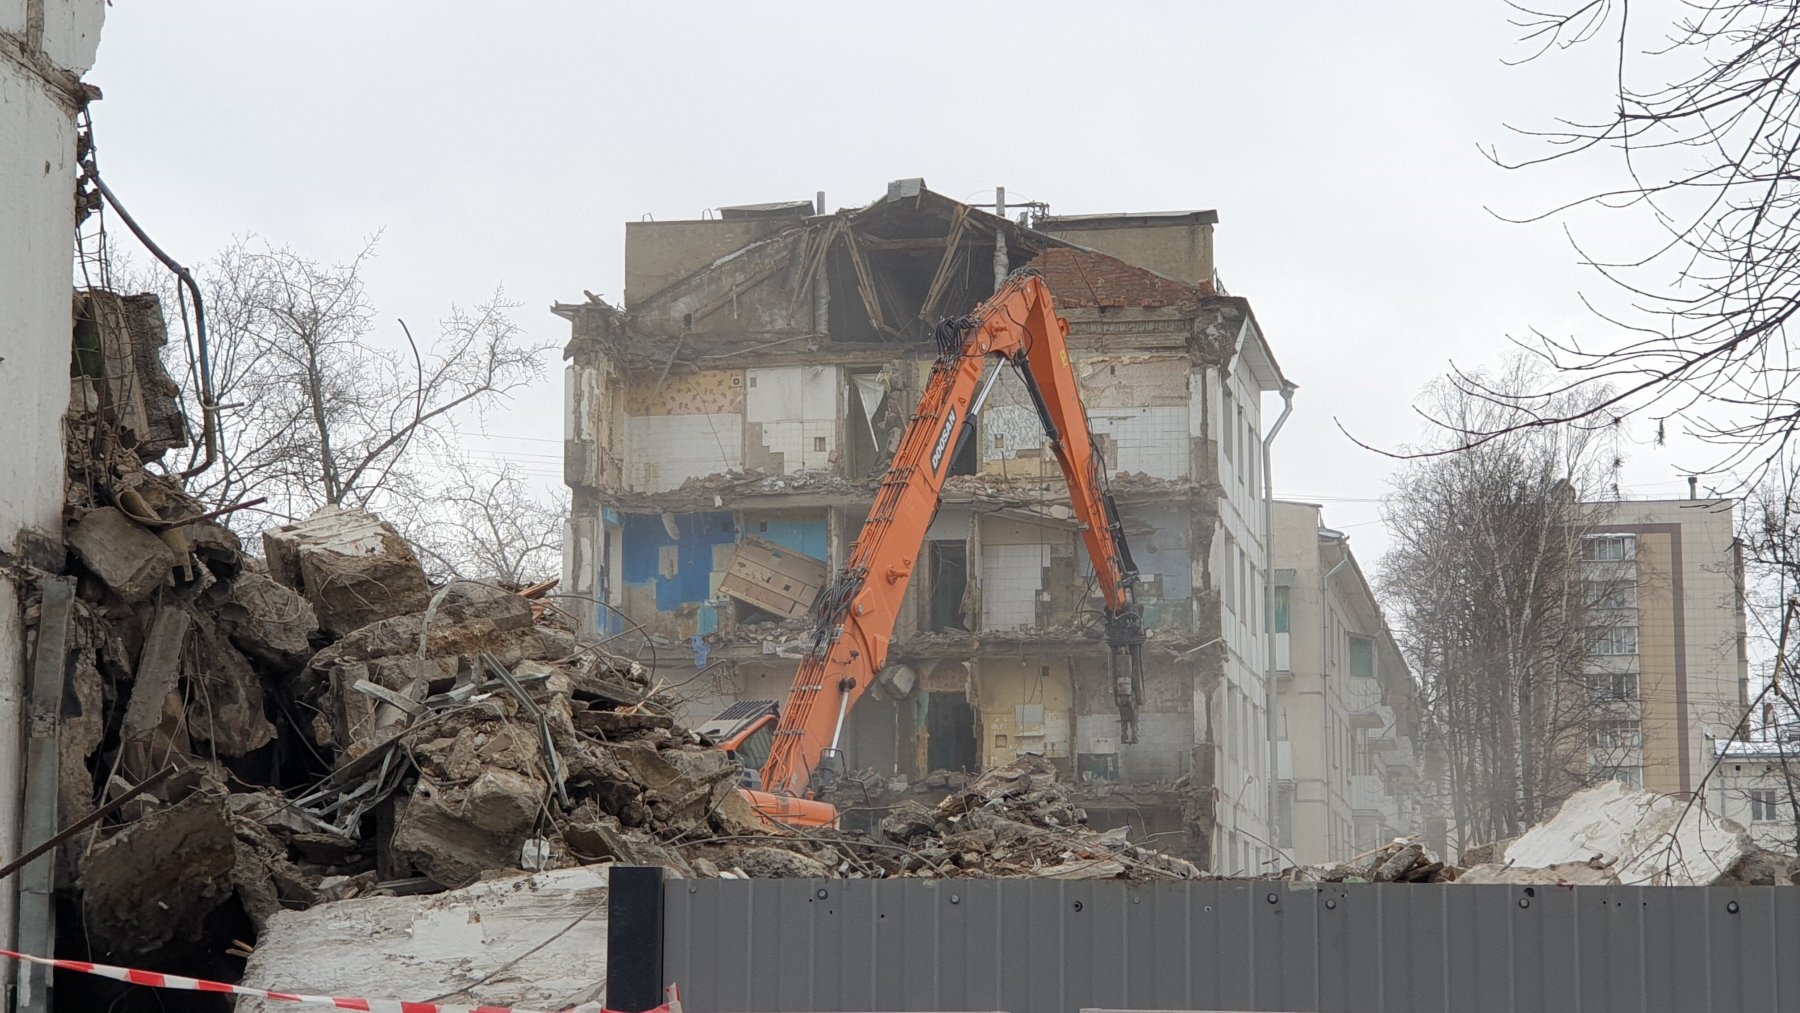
774,280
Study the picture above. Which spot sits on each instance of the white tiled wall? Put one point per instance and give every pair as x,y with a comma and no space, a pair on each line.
802,445
1150,440
797,408
662,451
1011,576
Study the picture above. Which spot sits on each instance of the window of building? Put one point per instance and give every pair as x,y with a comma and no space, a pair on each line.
1617,734
1612,640
1632,777
1227,428
1282,607
1244,458
1615,685
1228,589
1362,657
1610,594
1609,547
1765,805
1243,584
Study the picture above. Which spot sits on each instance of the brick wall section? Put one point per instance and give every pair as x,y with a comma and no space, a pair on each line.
1083,279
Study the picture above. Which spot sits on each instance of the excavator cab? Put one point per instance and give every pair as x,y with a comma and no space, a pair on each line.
746,731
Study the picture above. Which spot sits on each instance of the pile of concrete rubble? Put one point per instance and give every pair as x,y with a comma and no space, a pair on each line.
1018,820
1403,860
321,723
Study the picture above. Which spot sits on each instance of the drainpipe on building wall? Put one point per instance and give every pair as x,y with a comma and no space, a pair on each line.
1327,537
1269,695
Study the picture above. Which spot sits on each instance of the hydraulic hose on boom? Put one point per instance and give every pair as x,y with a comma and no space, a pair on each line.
1017,326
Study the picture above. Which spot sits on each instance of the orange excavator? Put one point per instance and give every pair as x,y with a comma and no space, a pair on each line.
798,748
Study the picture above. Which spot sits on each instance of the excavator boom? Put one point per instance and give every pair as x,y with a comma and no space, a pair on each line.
1017,326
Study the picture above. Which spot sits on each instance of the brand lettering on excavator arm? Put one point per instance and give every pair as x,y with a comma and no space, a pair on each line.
937,452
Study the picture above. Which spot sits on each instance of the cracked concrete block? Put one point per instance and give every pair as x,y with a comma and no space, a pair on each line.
352,566
225,705
1644,838
496,942
453,834
157,879
131,560
267,620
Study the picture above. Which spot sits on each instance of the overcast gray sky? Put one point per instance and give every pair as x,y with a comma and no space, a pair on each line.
1339,143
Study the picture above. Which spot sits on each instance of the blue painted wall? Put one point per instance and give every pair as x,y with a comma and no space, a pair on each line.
644,539
811,536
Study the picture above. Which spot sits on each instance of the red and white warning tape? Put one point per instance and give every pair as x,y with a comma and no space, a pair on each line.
153,979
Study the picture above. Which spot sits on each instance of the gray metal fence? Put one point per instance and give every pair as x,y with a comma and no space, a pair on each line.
1040,946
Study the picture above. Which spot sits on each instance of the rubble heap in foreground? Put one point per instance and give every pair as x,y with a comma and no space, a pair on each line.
322,723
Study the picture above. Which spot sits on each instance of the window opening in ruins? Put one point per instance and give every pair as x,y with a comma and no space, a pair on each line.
864,397
948,574
950,732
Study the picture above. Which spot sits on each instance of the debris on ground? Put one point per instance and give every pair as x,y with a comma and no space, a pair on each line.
1617,835
1402,860
535,941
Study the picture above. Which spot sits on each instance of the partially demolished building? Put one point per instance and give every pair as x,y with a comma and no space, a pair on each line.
727,425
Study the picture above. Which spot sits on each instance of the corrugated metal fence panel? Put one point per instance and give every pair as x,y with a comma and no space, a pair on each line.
1040,946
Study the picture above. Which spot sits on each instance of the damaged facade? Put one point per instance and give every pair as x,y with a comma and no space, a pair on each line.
1348,771
45,48
727,426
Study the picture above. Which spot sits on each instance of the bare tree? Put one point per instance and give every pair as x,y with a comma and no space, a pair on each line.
1770,537
1500,602
1701,130
314,410
482,523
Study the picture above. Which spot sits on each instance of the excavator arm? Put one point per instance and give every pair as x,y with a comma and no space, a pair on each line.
1017,326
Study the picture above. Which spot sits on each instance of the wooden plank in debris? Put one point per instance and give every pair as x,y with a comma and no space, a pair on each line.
774,578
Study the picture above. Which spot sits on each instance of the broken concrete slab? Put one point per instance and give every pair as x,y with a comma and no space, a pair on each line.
351,565
267,620
1561,874
453,833
157,879
128,557
225,700
765,862
1646,839
537,941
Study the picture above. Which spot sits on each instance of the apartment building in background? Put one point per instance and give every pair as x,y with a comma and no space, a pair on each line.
727,425
1348,768
1667,657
